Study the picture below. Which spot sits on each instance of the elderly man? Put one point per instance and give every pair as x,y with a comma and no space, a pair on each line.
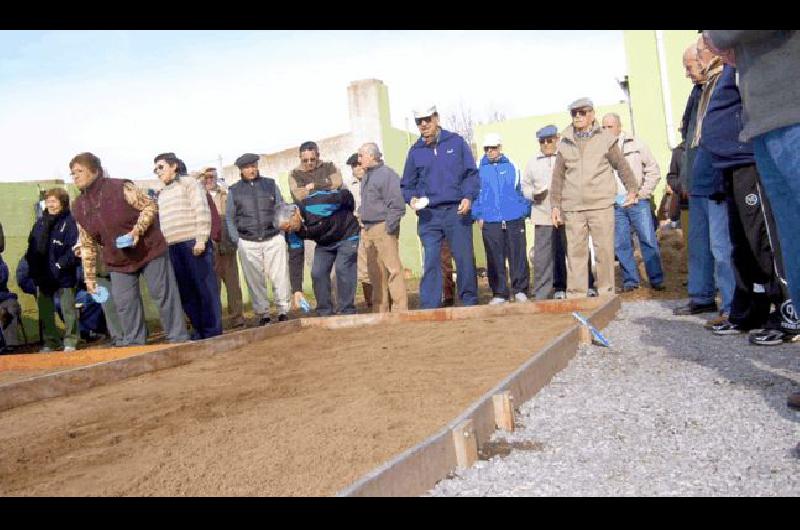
106,209
382,207
440,181
501,210
225,265
639,215
583,196
354,186
710,266
549,242
250,219
312,174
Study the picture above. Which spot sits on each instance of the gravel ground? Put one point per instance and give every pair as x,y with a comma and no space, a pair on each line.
668,410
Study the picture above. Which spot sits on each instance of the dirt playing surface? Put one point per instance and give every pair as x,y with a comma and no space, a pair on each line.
302,414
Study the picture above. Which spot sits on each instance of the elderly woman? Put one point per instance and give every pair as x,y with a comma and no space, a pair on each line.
106,209
53,269
186,224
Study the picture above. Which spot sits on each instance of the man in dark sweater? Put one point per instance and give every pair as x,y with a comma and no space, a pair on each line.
326,217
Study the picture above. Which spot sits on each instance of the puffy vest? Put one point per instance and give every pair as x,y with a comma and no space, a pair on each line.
101,209
254,208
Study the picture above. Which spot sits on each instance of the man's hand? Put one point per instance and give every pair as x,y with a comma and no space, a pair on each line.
480,224
463,208
630,200
296,298
293,224
135,235
310,186
555,216
91,286
198,248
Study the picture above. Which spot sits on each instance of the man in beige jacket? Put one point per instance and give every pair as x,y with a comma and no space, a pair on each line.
583,193
638,217
225,264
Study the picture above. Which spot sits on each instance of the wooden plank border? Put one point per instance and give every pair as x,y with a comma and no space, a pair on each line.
418,469
74,380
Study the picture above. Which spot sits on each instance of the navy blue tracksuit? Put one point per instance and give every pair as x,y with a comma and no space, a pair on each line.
198,288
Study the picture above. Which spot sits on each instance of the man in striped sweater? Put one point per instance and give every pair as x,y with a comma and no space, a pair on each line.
186,225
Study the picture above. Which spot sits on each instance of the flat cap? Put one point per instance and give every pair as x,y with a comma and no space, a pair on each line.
547,131
246,159
579,103
353,160
425,110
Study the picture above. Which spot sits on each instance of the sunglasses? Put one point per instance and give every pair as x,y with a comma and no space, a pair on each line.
580,112
426,119
160,167
308,160
547,140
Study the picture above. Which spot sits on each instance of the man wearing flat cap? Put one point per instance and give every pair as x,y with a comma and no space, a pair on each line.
549,242
583,193
440,181
249,214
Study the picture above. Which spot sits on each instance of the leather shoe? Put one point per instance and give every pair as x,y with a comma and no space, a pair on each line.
659,287
793,400
694,309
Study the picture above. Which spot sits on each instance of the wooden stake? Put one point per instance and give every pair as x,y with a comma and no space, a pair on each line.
503,411
466,445
585,335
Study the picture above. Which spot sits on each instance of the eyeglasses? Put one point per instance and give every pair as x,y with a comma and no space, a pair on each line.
495,147
308,160
158,168
426,119
580,112
608,126
547,140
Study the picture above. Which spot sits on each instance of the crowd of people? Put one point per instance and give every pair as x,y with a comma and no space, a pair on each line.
588,193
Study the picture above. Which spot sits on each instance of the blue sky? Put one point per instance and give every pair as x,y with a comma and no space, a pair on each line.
128,95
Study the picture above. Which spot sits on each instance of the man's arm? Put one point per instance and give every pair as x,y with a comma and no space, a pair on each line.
230,223
408,182
298,193
88,258
395,204
148,209
557,183
470,182
652,173
334,178
202,214
624,170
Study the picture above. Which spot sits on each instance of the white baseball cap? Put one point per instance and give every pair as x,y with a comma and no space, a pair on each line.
492,140
424,110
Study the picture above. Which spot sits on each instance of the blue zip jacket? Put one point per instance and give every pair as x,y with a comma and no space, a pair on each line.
56,269
500,197
444,172
723,123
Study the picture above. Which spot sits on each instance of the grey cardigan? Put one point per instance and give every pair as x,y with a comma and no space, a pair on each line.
767,62
381,198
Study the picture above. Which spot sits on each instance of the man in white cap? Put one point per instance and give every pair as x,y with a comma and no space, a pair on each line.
583,193
440,181
501,210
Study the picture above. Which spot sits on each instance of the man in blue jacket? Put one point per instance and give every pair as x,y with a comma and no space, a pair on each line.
440,181
501,210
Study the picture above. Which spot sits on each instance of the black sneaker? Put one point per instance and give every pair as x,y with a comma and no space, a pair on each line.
283,317
264,321
694,309
772,337
726,328
629,288
658,287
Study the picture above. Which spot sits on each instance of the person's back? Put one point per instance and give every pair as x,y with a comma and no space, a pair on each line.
328,216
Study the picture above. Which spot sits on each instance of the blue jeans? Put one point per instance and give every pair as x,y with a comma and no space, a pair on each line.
778,160
709,252
641,219
433,225
344,255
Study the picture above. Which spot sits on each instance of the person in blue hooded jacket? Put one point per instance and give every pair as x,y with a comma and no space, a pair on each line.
501,210
440,182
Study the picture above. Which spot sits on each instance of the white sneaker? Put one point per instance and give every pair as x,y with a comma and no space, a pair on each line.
560,295
520,298
46,349
497,300
68,349
592,293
